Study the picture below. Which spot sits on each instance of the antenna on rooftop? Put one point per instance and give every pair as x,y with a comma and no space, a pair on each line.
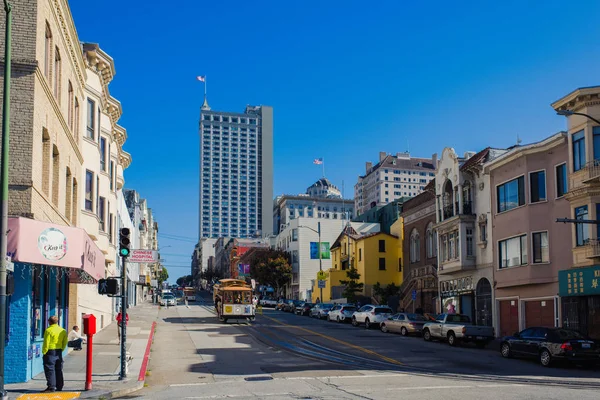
518,140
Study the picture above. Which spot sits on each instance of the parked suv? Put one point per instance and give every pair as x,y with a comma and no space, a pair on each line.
321,310
371,315
342,312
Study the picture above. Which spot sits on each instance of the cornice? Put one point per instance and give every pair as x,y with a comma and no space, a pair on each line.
119,135
68,27
518,152
124,159
578,99
59,115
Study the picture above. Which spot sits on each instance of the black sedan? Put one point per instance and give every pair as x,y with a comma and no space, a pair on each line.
304,308
551,344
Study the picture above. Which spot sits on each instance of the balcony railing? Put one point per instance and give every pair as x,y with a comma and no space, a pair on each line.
448,212
587,174
592,248
468,208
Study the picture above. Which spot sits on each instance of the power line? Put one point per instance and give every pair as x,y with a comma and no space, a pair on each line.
180,240
178,236
176,255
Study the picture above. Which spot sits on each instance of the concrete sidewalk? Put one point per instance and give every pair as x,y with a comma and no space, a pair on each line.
106,363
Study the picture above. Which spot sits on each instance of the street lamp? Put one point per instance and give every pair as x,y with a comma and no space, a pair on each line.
318,232
4,188
568,113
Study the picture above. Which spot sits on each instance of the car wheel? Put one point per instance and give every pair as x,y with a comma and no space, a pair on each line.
367,324
505,350
545,358
384,328
354,321
451,339
427,335
403,331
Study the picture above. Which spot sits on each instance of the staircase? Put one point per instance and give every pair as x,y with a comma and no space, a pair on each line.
417,275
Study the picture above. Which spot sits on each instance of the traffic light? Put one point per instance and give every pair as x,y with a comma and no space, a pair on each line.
124,242
108,286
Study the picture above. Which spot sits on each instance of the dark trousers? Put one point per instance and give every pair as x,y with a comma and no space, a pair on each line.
76,343
53,364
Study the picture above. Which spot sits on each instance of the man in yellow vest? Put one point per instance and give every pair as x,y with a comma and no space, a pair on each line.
55,341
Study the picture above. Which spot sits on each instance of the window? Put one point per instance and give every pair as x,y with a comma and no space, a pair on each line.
578,150
469,235
102,213
70,106
57,74
561,180
110,227
511,194
415,249
112,175
103,154
76,119
513,252
48,52
97,193
294,235
596,135
359,254
429,241
91,109
399,265
381,263
537,186
582,234
540,247
482,232
382,246
89,190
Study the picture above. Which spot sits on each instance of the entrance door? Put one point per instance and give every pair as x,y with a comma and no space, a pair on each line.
466,306
539,313
483,300
509,317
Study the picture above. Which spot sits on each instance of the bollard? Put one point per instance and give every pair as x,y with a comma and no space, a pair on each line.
89,328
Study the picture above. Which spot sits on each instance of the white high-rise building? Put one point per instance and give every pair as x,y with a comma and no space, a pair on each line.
236,172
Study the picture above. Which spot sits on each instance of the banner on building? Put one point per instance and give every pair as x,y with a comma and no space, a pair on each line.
314,251
243,270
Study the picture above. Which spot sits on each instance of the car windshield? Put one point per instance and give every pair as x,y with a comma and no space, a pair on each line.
416,317
567,334
458,318
349,308
382,310
168,296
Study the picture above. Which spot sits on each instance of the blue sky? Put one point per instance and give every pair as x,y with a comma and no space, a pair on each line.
347,79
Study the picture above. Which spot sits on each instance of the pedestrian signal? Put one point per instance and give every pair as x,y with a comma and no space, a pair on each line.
108,286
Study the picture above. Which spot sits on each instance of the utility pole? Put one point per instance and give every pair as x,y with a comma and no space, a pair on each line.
123,327
4,188
320,256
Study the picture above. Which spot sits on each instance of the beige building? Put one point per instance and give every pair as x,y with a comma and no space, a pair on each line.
579,287
530,248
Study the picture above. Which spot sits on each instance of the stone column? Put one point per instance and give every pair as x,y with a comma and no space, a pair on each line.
454,210
460,199
437,208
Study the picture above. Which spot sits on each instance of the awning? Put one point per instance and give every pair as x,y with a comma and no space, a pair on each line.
37,242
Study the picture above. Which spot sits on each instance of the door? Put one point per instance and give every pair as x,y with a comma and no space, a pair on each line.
519,345
436,327
396,323
533,340
466,306
539,313
509,317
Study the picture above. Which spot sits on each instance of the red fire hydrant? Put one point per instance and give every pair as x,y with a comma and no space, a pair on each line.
89,329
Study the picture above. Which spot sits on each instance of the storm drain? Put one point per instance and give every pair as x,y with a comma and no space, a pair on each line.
258,378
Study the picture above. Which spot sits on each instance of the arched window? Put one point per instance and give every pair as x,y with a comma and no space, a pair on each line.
55,174
415,246
48,52
430,238
57,74
76,119
70,106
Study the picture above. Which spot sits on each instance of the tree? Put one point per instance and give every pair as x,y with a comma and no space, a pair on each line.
270,267
352,285
387,292
163,276
185,280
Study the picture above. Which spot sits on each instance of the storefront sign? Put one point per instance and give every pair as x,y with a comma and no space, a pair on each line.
579,281
456,286
52,243
143,256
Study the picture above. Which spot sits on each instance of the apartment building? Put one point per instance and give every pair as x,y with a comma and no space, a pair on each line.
579,287
529,247
464,255
392,177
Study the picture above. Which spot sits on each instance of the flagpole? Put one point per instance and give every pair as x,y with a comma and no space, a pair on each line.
323,166
205,86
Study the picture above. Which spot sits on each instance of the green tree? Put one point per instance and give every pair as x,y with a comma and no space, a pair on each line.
352,285
270,267
185,280
384,293
163,276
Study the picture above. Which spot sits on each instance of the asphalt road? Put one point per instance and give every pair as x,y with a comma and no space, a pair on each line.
283,356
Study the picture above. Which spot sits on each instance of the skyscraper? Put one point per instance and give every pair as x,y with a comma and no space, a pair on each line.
236,172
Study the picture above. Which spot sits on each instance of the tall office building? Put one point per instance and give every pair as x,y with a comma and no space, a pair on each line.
236,172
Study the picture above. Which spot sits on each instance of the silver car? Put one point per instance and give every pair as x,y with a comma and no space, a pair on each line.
321,310
404,324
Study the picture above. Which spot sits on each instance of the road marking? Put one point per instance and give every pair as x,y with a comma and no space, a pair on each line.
443,387
388,359
48,396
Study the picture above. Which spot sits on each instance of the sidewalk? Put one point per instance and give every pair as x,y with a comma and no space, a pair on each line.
106,363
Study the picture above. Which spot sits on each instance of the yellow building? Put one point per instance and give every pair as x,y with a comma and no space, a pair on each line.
376,256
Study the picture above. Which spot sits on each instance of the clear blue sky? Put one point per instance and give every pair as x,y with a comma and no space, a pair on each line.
347,79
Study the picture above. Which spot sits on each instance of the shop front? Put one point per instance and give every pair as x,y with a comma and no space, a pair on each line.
579,289
469,295
47,259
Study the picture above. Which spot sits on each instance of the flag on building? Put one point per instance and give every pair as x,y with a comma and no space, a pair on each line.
201,78
318,161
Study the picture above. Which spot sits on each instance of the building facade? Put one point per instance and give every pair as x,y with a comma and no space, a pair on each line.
324,189
465,254
300,238
579,287
385,216
420,287
529,247
393,177
236,172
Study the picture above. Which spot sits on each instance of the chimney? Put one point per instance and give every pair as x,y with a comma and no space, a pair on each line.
434,160
382,155
369,165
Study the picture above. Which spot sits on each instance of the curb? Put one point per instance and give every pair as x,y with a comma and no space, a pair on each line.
142,376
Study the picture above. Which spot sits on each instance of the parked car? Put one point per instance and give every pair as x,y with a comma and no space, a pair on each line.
304,308
551,344
291,305
457,328
168,299
404,323
320,310
280,305
267,302
371,314
341,312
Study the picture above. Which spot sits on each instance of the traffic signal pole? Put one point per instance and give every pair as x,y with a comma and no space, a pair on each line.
123,327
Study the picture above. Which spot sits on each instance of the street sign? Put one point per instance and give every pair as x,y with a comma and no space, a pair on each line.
414,294
143,256
321,275
322,284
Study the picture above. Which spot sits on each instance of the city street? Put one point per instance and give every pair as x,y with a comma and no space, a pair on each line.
285,356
